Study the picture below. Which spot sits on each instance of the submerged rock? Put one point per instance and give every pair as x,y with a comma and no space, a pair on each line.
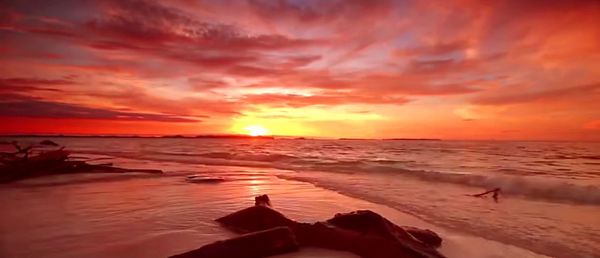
48,143
255,218
204,179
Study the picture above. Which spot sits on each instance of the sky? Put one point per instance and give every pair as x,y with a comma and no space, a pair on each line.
456,69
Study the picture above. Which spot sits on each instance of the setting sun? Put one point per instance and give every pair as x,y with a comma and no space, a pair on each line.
327,108
256,130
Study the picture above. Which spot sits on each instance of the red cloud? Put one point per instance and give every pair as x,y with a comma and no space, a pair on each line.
380,85
164,61
25,85
45,109
295,100
437,48
128,20
544,95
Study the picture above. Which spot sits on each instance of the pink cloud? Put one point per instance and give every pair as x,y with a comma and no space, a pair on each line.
207,59
574,92
33,108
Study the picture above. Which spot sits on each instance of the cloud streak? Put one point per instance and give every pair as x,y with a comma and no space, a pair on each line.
46,109
220,61
574,92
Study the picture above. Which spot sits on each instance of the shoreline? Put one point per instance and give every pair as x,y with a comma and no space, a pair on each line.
299,200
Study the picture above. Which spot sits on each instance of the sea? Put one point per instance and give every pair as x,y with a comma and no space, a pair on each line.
549,202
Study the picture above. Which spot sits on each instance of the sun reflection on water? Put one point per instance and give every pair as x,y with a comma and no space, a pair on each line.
256,186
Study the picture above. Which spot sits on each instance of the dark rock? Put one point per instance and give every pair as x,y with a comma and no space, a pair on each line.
53,156
262,200
424,235
364,233
48,143
364,221
28,162
367,223
274,241
325,235
254,218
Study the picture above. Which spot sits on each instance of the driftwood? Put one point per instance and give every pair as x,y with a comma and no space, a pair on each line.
36,160
364,233
495,193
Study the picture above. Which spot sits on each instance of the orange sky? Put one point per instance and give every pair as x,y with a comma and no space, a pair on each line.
369,69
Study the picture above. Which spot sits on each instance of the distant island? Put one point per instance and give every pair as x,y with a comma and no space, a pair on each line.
412,139
390,139
216,136
209,136
223,136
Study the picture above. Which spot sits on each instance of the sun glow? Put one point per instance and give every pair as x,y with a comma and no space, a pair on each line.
256,130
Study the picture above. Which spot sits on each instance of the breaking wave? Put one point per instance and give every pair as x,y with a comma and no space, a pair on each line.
526,186
513,185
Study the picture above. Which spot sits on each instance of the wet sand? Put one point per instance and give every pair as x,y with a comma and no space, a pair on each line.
162,216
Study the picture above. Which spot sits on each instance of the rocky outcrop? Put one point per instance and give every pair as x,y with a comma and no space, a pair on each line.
37,160
364,233
255,218
426,236
369,222
274,241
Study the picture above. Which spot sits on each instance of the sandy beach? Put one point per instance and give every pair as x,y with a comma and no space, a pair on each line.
108,216
477,120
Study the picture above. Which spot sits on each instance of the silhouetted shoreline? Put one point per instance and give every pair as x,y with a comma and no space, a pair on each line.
390,139
207,136
412,139
224,136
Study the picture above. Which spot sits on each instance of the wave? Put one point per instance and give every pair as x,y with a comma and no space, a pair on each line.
537,188
574,156
552,191
527,186
234,156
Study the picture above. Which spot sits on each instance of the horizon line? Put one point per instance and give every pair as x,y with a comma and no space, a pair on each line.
293,137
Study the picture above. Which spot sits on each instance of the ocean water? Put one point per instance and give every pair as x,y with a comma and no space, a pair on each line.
550,200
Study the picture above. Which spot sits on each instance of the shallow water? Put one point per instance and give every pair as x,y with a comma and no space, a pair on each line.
550,202
112,216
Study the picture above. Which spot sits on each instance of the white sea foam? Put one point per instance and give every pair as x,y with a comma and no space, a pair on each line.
525,186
